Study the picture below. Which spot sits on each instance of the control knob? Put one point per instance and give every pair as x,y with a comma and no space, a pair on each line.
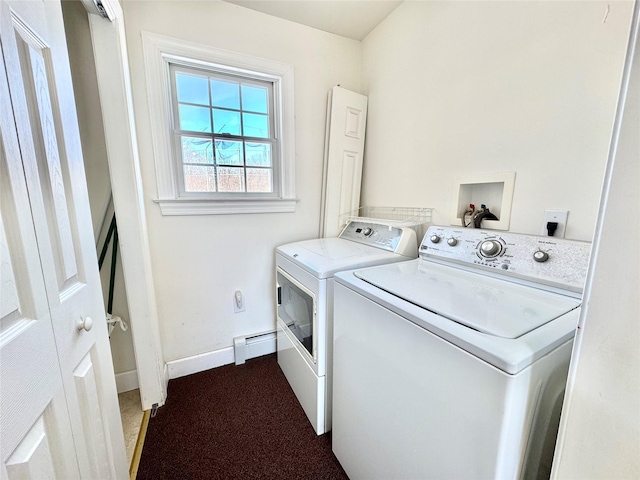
541,256
490,248
434,238
452,242
367,232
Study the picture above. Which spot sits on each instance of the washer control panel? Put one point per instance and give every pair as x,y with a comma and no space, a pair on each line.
548,260
393,239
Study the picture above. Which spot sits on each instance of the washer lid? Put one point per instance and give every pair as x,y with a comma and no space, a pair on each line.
323,257
492,306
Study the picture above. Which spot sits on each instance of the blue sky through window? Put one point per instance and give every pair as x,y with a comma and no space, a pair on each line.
224,117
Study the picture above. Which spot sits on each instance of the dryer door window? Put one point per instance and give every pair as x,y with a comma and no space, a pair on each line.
297,310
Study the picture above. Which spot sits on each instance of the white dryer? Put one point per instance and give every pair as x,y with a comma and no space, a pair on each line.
304,282
454,365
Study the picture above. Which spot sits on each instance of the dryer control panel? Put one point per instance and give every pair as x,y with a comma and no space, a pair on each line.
402,241
550,261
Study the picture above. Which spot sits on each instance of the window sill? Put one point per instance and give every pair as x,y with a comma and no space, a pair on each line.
225,207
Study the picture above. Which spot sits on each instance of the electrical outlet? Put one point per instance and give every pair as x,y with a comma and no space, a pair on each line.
238,302
557,216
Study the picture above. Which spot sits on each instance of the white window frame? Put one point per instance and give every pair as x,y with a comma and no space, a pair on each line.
159,53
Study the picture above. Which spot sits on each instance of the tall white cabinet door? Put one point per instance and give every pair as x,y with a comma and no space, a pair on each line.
41,95
344,150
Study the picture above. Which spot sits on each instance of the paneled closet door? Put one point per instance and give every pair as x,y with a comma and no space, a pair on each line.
344,151
47,235
33,411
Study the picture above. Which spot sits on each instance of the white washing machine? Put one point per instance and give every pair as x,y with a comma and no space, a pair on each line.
454,365
304,282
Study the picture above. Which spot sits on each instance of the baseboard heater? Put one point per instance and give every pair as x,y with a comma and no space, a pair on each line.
253,346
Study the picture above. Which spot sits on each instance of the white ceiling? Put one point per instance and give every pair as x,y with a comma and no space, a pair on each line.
349,18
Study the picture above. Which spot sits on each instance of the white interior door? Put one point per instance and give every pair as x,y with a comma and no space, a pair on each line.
344,149
33,411
59,415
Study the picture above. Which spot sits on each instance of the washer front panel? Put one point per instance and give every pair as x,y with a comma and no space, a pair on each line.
452,415
510,355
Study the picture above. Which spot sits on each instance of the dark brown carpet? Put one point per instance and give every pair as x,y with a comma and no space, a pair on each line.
235,422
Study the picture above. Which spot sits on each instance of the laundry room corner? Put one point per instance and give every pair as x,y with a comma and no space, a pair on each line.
460,89
200,261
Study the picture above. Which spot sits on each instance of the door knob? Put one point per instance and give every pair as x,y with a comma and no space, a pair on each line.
86,324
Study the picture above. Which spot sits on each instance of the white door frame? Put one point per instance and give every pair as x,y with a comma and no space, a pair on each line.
114,86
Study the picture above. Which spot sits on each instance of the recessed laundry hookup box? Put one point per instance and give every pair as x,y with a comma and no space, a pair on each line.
495,190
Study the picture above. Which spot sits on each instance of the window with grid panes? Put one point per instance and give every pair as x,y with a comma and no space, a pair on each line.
222,127
224,132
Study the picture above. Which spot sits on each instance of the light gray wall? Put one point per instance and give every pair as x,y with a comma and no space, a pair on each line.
199,261
462,88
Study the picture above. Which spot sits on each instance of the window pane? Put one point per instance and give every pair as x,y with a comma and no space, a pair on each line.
255,125
230,179
225,94
259,180
224,135
228,153
192,89
199,178
195,119
254,99
225,121
196,150
258,154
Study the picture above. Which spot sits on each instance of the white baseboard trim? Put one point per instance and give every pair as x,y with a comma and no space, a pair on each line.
127,381
251,346
199,363
165,376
